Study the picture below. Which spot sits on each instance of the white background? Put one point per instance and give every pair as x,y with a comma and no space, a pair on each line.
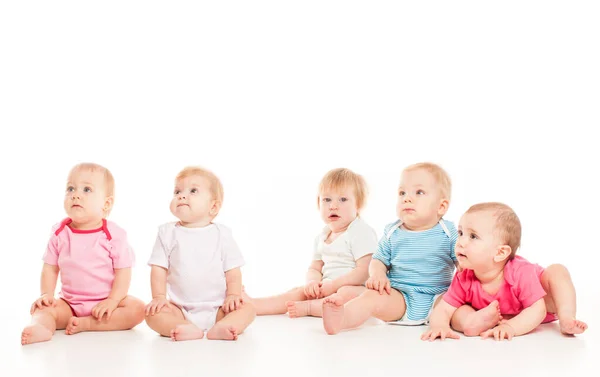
271,95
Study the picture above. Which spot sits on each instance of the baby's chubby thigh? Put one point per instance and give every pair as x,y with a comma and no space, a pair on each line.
386,307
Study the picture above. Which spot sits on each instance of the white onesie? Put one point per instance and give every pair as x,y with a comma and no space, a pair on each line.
340,256
196,260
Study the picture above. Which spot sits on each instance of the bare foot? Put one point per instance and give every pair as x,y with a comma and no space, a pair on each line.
35,334
333,313
482,320
220,332
186,332
298,308
572,326
77,324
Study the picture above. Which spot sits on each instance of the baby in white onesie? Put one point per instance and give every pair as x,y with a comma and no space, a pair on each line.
342,251
196,278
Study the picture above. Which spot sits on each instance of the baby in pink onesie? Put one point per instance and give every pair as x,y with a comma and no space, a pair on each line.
498,293
94,260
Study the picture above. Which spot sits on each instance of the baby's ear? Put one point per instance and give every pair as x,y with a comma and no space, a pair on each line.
502,253
443,208
215,208
108,203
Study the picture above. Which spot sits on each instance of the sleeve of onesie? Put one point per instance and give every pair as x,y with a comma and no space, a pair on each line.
160,254
316,252
384,249
529,286
51,254
121,252
230,252
363,241
453,239
456,294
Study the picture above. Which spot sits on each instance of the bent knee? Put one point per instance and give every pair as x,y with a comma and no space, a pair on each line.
556,270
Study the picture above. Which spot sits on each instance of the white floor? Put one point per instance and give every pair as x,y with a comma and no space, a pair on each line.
277,345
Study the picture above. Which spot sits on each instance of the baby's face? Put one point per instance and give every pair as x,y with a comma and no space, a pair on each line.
338,208
419,200
192,201
86,202
478,241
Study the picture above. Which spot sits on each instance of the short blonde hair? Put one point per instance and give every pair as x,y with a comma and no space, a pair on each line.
440,175
109,180
507,225
340,178
216,187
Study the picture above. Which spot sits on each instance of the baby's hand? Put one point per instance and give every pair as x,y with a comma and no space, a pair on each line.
155,306
500,332
439,332
106,306
311,290
326,288
379,283
232,303
44,300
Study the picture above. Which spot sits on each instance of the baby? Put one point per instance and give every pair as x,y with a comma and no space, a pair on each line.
414,261
94,260
498,293
196,264
342,250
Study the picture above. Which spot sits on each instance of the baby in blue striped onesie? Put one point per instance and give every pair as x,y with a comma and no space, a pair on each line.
414,262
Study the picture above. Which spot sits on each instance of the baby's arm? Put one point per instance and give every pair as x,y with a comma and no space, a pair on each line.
158,285
119,290
378,280
357,276
439,326
520,324
233,299
313,278
47,287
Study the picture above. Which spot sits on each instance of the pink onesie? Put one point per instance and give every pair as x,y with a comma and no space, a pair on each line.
87,260
521,288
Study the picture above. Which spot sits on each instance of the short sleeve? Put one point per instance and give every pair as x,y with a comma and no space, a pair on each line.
230,252
51,254
363,241
384,248
453,239
457,293
121,252
317,251
529,288
160,253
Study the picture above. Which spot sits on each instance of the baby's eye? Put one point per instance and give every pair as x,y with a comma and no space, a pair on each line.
194,190
343,199
176,192
70,189
401,193
420,192
473,236
326,200
460,233
87,189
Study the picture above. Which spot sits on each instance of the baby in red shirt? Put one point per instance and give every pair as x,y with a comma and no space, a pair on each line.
497,293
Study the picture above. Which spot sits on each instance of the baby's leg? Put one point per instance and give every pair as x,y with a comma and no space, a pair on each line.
337,316
230,325
170,321
277,304
472,323
45,321
127,315
561,298
314,308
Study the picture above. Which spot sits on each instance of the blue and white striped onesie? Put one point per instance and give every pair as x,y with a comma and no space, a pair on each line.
420,264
